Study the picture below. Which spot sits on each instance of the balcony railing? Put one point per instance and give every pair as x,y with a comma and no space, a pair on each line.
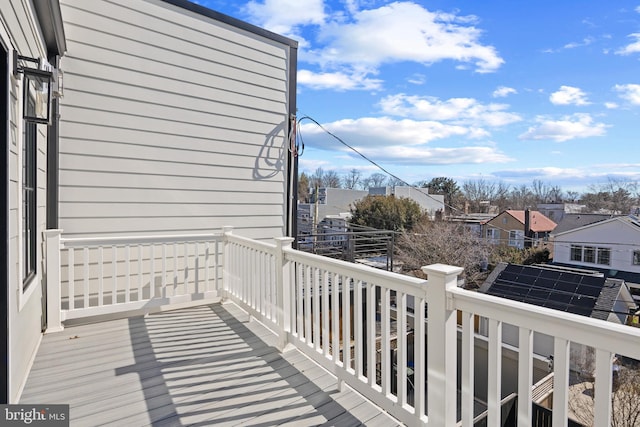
393,338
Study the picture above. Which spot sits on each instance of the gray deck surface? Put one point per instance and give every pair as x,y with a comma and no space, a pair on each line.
200,366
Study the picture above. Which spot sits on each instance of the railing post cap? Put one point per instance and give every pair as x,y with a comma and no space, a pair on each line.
227,229
442,270
284,241
52,232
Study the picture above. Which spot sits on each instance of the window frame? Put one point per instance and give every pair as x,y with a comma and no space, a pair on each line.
29,220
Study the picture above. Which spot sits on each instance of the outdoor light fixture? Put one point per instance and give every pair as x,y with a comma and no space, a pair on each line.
36,96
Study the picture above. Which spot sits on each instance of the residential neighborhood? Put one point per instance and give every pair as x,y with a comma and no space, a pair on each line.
167,262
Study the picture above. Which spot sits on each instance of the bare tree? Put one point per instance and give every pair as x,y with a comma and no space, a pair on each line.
481,193
331,179
521,197
541,191
374,180
352,179
431,242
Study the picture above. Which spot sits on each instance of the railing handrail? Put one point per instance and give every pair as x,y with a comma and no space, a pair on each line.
75,242
407,284
572,327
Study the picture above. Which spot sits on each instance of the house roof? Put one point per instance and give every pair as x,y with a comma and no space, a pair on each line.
538,222
590,295
632,221
572,221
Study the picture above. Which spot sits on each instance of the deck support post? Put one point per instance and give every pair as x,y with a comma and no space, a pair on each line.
283,291
53,280
441,345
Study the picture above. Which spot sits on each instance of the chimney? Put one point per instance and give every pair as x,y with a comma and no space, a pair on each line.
527,228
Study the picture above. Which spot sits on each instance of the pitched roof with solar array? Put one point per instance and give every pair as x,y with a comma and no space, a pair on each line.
583,294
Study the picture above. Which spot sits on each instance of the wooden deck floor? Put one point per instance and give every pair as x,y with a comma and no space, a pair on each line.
201,366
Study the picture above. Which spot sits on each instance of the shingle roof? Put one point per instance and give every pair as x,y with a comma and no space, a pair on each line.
538,222
572,221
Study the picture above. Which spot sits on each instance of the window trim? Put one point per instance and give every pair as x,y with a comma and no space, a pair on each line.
29,217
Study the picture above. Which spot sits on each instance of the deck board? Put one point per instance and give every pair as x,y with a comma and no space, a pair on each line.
201,366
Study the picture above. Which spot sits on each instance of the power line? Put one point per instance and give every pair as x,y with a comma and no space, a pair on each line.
306,117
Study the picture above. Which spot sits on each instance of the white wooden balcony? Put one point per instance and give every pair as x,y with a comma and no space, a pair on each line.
394,339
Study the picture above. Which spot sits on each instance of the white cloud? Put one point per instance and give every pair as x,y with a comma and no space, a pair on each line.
611,105
633,47
405,31
283,16
383,131
568,95
629,92
459,111
585,42
570,127
503,92
439,155
337,80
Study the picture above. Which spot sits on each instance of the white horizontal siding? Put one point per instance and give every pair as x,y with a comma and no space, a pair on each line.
171,122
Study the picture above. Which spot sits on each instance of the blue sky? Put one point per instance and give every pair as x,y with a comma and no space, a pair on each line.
499,90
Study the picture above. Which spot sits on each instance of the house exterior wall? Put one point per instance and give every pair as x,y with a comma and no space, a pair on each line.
19,30
503,224
617,235
172,122
430,203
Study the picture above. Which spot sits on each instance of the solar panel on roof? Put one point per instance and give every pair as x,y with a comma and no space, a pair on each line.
564,291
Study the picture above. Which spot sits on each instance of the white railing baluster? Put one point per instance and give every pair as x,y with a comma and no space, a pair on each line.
316,309
603,388
185,276
114,285
300,305
560,381
346,323
401,341
163,279
335,319
420,356
468,358
85,272
152,271
175,268
307,306
385,344
525,376
371,335
72,280
494,372
100,276
325,313
196,267
357,328
127,272
140,275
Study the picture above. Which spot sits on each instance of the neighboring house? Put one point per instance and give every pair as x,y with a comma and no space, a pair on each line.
572,221
611,246
174,119
328,201
511,226
569,290
473,222
557,211
429,203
